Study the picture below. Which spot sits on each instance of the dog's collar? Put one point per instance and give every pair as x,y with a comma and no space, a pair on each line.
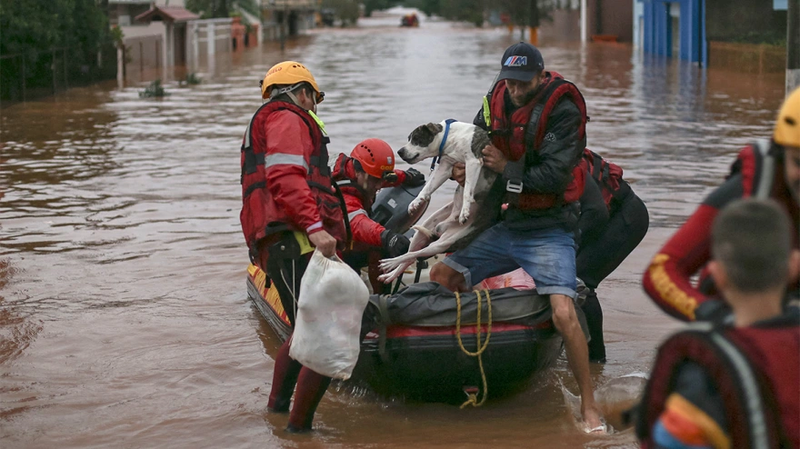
444,140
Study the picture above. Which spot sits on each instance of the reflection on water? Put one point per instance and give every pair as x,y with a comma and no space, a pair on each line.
123,313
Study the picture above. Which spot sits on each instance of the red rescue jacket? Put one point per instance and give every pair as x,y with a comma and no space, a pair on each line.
365,230
755,370
525,130
758,171
286,184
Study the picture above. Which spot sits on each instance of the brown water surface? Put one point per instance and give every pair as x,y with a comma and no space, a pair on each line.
124,320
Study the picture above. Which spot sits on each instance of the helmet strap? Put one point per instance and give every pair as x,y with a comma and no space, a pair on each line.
289,91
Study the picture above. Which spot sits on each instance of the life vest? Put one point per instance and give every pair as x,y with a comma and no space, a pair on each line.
525,129
754,370
260,216
757,163
344,177
608,177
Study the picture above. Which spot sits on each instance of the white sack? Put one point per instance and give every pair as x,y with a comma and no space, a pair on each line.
328,323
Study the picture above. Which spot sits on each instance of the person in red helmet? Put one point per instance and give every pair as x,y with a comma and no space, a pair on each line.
359,176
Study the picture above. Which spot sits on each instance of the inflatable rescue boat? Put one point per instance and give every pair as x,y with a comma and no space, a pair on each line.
425,343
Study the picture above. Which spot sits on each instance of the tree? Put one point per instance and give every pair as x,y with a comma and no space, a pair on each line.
374,5
429,7
43,34
210,9
465,10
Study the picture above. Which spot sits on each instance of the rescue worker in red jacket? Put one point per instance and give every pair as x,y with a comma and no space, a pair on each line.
764,169
537,124
289,204
736,384
359,176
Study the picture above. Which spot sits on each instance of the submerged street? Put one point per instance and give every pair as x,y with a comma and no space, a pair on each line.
124,318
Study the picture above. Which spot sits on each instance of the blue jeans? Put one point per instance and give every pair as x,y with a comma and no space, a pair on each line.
547,255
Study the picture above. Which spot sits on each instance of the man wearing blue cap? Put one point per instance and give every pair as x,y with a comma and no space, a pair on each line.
537,123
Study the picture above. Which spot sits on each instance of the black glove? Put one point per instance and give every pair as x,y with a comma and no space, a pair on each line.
413,178
395,244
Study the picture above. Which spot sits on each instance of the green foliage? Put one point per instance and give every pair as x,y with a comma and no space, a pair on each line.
211,9
117,36
429,7
190,80
48,35
374,5
41,25
154,90
474,10
346,10
464,10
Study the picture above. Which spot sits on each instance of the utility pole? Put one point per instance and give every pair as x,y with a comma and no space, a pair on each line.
792,45
533,22
284,26
584,21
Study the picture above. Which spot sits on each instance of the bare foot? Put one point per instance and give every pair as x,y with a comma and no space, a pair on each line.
592,420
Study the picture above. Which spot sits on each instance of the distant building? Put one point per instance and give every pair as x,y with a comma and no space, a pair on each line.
609,20
711,31
295,15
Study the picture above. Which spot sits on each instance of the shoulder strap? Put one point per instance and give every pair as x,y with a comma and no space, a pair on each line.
536,114
753,402
766,174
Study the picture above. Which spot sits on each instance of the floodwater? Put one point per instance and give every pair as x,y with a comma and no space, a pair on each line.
124,320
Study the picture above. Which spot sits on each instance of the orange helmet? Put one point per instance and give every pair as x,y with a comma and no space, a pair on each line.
289,73
376,157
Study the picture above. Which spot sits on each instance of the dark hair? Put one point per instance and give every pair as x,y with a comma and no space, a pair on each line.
752,240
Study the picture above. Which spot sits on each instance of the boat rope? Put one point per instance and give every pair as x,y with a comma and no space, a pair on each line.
473,397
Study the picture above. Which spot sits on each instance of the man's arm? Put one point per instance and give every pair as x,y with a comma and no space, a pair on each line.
668,278
364,229
289,149
557,155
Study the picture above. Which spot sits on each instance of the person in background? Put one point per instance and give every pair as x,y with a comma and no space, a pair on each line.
765,169
288,205
612,224
735,384
359,176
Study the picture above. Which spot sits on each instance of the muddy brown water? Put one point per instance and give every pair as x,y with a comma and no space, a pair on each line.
124,320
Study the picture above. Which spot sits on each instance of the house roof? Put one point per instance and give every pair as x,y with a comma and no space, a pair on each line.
172,14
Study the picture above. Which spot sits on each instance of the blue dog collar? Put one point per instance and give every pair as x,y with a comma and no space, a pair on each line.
444,140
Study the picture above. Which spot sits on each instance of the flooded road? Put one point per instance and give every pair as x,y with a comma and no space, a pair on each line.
124,320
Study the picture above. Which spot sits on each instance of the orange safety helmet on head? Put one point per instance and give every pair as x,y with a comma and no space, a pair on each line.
376,157
289,73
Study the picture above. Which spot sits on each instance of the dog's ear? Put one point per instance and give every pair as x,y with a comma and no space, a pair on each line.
434,128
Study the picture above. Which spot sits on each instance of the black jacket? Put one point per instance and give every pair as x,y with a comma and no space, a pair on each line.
547,171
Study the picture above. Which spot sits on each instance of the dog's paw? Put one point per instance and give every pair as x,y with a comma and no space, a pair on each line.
464,216
415,205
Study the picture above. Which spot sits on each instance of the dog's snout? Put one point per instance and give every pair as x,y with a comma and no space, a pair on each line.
402,152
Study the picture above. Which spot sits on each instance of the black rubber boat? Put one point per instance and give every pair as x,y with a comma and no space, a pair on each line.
416,346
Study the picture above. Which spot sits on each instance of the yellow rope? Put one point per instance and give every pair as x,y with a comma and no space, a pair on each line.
473,397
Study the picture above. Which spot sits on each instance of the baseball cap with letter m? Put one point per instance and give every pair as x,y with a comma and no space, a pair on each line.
521,62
